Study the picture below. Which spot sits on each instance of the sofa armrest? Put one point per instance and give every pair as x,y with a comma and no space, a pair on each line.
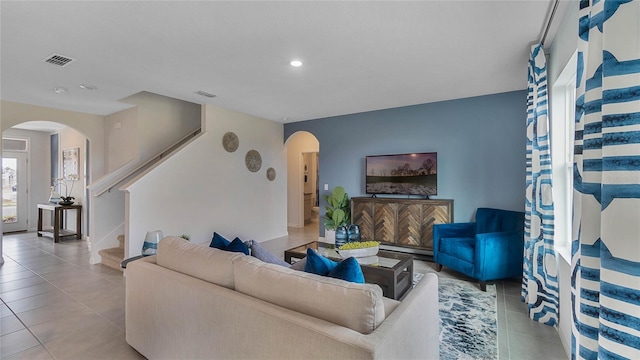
412,330
455,230
499,255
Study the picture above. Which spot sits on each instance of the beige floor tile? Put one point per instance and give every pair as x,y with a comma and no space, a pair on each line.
16,342
34,353
4,310
524,347
50,312
34,302
9,324
83,320
73,343
13,273
521,324
26,292
21,283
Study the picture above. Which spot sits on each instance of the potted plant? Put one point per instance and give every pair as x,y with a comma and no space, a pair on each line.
338,213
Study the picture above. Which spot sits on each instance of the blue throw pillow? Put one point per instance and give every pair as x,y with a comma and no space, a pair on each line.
238,246
219,242
348,269
318,264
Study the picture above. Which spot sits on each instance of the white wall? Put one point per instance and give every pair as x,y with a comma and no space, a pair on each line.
38,170
204,188
160,121
298,143
120,131
69,139
563,47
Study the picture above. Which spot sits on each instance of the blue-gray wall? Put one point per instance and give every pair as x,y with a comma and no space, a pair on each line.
480,143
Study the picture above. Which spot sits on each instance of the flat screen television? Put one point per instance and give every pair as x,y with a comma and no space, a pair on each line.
402,174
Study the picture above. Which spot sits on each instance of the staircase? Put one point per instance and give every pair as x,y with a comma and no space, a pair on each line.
112,257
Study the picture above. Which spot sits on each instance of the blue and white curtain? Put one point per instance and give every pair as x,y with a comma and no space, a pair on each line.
540,275
605,254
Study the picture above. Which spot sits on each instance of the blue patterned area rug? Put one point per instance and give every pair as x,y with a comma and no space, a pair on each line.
468,320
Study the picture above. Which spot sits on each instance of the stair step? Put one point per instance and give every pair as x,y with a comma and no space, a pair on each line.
121,240
112,257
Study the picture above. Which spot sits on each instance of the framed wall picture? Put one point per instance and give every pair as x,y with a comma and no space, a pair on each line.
70,163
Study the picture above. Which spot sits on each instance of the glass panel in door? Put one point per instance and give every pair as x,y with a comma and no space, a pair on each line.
14,192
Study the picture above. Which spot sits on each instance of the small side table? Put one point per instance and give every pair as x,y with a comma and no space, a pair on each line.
58,229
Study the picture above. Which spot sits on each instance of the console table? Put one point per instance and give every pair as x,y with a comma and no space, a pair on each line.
405,223
58,229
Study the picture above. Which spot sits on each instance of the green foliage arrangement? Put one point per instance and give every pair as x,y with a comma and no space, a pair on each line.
359,245
338,211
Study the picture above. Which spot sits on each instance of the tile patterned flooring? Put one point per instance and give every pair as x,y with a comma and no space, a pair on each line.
55,305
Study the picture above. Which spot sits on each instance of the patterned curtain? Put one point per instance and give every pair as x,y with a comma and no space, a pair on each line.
605,254
540,275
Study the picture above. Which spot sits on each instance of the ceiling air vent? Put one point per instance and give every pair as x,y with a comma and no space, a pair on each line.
204,93
57,59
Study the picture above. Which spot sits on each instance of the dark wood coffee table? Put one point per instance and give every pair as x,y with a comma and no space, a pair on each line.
392,271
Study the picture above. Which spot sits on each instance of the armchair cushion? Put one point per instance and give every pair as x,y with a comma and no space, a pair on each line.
463,248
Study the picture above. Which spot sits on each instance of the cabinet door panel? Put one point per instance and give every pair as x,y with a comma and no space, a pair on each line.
409,225
362,215
385,222
432,215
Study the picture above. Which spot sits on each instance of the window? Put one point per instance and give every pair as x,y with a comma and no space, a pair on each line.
563,98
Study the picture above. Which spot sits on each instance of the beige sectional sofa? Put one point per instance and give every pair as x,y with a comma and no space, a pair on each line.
195,302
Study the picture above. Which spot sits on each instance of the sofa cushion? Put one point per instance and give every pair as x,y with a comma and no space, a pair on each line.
200,261
356,306
462,248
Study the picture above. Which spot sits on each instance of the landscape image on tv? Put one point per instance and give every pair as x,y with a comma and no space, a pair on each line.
402,174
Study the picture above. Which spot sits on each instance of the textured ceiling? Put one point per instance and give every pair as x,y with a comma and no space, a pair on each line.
358,56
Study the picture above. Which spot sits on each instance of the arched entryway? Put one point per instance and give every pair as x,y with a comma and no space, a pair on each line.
37,156
303,150
86,130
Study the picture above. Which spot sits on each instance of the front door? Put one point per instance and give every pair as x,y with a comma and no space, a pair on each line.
14,191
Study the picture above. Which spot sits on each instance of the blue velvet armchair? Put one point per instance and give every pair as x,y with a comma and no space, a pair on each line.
489,249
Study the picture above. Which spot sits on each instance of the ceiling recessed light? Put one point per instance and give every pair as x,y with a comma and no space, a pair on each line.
87,87
296,63
59,90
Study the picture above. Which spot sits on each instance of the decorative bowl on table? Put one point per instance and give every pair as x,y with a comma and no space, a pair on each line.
359,249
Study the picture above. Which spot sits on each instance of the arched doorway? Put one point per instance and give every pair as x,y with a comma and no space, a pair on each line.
303,150
43,144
